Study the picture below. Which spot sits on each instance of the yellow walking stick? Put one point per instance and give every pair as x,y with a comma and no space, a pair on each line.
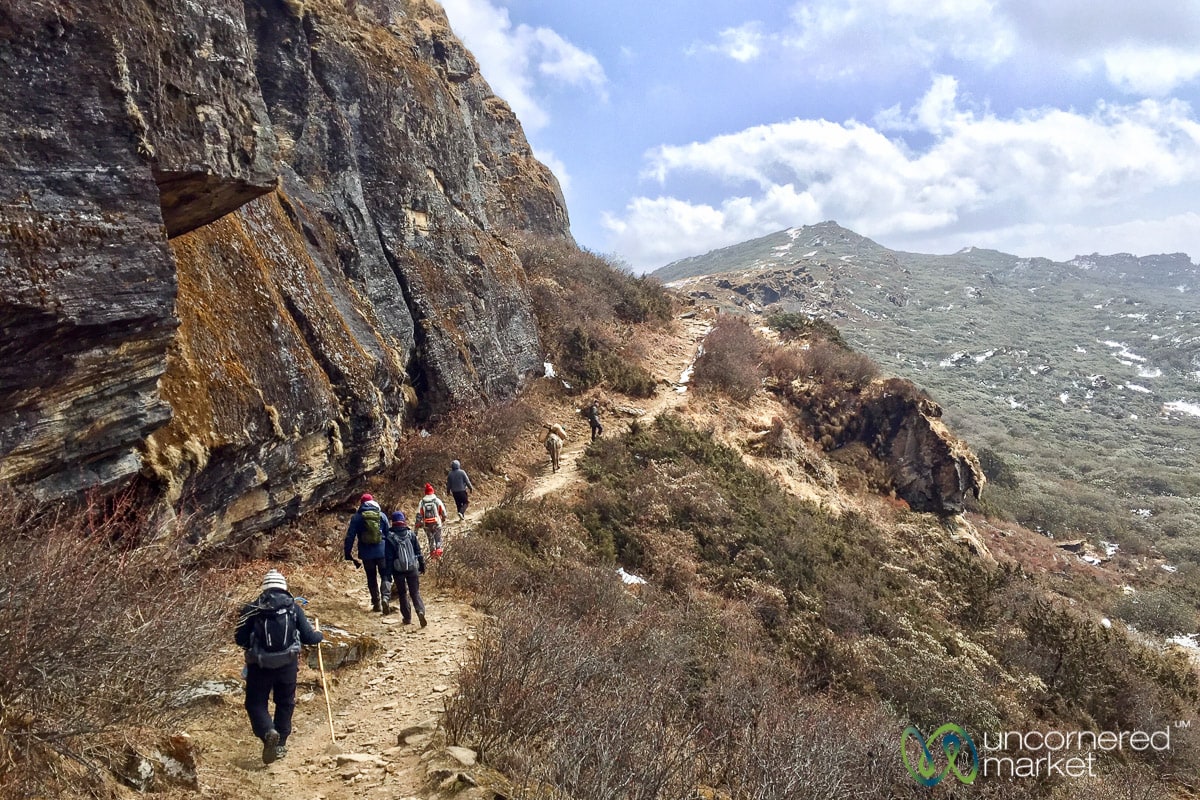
324,687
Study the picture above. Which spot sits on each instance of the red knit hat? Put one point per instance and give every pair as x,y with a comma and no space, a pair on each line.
366,498
429,488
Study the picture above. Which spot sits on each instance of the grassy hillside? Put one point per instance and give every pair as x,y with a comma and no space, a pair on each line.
1078,383
793,621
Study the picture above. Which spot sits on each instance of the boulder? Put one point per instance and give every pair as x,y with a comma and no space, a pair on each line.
341,648
169,764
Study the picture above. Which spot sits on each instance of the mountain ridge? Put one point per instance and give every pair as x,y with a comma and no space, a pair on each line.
693,266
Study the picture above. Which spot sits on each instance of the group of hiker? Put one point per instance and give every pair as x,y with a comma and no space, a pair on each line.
272,629
389,552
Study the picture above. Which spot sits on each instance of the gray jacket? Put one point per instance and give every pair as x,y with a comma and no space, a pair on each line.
458,481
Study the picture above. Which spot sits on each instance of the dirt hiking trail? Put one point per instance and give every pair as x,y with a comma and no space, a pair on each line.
386,708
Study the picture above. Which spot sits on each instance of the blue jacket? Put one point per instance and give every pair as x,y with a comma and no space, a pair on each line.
358,525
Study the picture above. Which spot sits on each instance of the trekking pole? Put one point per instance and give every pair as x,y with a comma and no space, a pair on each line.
324,688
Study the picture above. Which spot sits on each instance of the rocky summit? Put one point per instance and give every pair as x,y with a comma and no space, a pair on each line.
241,241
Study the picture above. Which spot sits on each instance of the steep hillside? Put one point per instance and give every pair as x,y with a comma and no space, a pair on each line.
251,357
1076,381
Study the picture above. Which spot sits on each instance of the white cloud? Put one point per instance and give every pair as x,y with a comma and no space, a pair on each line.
1145,48
847,37
744,43
1154,71
515,59
1038,172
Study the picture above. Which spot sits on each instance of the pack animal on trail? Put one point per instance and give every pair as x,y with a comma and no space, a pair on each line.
554,444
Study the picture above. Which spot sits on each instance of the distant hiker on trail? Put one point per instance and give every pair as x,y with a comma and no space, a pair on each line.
405,566
458,484
369,526
593,417
431,513
271,630
554,444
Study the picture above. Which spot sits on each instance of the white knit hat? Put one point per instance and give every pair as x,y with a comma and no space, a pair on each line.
274,580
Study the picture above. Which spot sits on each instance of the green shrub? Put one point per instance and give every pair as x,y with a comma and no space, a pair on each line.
997,470
1163,610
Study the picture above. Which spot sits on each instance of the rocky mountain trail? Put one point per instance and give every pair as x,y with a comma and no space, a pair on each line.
674,357
386,701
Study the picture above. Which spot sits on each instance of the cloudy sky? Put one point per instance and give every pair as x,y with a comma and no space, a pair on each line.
1038,127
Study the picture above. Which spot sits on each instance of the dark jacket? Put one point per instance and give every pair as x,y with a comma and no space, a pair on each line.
458,481
402,529
272,600
358,525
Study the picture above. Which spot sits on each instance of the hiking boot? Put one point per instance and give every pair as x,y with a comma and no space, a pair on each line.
387,608
421,616
280,751
375,605
407,622
461,516
270,746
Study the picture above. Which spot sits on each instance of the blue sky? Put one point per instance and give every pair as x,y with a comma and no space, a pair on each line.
1038,127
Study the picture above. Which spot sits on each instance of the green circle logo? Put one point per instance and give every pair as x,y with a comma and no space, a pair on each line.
953,741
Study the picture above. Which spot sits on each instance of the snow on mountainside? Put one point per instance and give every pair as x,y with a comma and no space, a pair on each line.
1085,373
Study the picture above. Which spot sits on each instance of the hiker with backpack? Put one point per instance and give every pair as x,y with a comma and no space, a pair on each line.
270,631
405,566
593,417
369,526
431,513
458,484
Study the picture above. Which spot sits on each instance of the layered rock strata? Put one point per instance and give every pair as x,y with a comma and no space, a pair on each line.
252,357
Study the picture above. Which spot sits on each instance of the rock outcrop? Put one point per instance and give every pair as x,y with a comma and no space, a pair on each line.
242,243
894,435
98,110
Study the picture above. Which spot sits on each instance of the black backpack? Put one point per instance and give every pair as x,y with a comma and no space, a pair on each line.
274,637
406,557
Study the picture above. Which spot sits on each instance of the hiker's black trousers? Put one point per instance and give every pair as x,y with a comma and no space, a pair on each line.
408,584
376,571
260,684
461,499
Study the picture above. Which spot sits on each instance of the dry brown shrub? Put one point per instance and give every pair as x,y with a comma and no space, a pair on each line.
100,621
571,691
731,359
479,439
812,747
588,310
784,362
829,363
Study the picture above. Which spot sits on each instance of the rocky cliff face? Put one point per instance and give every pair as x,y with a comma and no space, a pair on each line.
894,435
252,356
